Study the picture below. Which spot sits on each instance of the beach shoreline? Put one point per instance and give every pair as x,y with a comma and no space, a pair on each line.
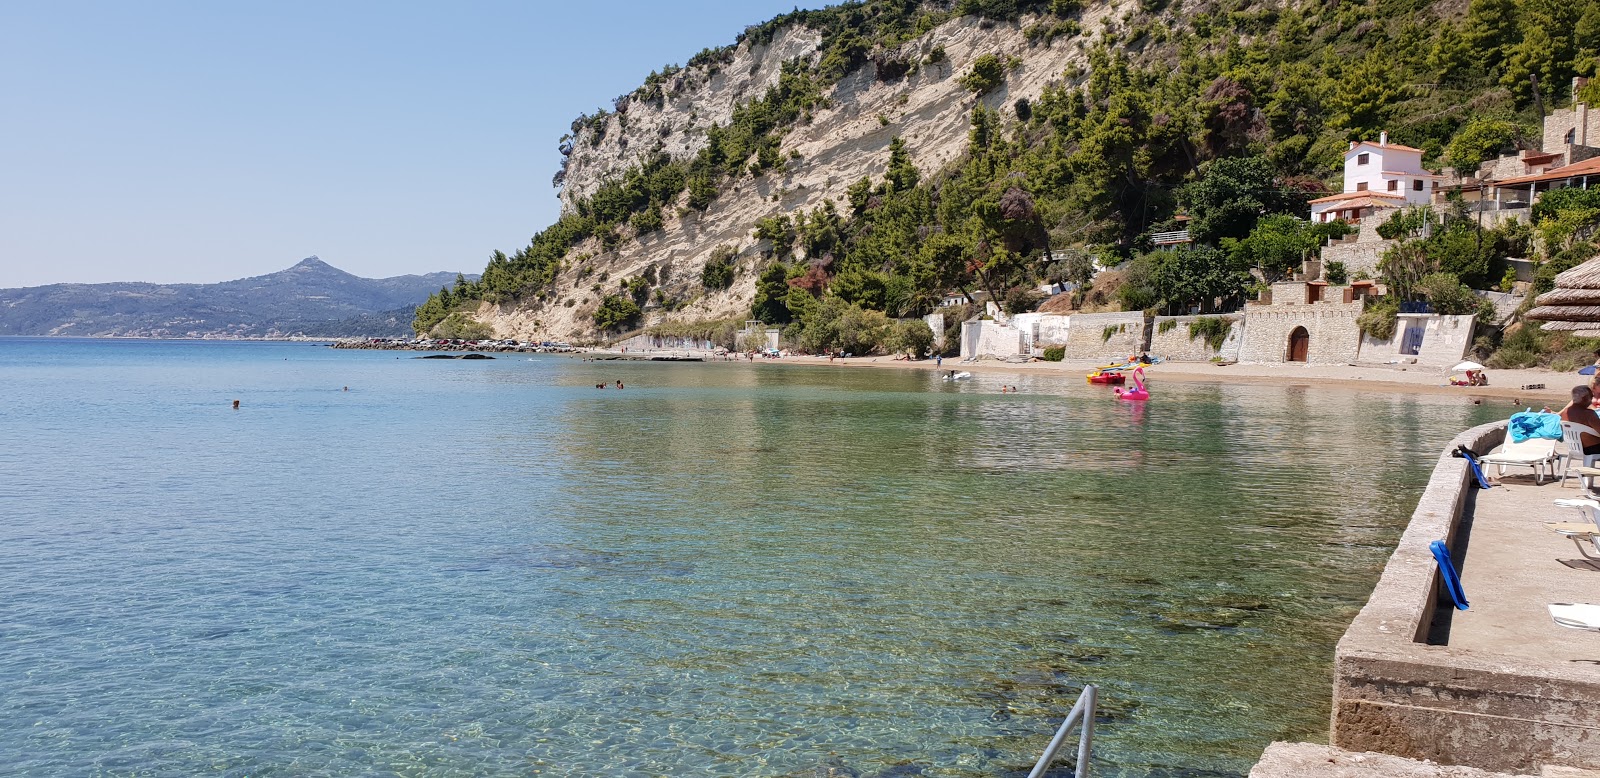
1409,379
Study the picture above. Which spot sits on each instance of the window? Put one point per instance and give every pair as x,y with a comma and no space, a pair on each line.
1571,135
1394,186
1416,186
1361,187
1361,159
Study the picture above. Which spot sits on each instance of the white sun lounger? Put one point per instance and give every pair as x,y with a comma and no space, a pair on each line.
1576,615
1541,454
1580,532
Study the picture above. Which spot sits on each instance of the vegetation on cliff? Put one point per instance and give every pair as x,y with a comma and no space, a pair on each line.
1233,114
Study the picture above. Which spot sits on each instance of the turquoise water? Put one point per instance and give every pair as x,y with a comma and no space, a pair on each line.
492,568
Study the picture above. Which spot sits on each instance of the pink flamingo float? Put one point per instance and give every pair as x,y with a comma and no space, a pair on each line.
1139,391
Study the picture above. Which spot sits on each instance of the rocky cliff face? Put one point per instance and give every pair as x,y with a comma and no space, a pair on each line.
845,140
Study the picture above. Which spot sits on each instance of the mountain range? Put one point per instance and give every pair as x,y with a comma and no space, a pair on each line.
310,299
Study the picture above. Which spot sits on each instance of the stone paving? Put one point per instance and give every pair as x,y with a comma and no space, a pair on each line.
1513,568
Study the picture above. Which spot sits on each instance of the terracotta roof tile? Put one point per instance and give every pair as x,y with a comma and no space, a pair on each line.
1588,167
1354,195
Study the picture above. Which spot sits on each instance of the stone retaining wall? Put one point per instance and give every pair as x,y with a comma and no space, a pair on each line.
1445,340
1086,337
1175,344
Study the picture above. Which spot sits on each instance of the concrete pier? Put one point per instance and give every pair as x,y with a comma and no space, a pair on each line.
1499,687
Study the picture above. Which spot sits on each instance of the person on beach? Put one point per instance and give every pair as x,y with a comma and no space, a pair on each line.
1579,412
938,360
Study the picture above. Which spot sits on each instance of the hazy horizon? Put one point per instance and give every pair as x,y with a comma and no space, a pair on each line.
196,143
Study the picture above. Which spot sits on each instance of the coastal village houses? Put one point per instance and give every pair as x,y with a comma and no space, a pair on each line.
1308,319
1377,176
1568,155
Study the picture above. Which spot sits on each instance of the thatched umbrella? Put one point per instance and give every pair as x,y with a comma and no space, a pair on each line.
1574,305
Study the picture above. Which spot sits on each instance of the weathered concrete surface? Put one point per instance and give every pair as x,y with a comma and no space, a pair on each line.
1477,703
1304,760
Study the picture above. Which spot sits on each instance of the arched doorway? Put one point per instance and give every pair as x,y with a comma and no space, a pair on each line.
1299,344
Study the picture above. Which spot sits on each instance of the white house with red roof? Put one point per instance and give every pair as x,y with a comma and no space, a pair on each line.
1377,175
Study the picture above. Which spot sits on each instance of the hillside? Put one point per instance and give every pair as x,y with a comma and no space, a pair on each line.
872,156
311,298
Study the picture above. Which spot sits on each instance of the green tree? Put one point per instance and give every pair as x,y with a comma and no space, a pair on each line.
718,271
616,312
1278,244
778,229
987,74
772,293
913,337
902,175
1480,141
1231,195
1197,277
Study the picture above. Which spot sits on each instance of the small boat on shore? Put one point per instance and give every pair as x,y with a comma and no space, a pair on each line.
1106,377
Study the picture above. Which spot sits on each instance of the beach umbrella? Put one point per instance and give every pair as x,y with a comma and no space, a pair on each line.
1468,366
1574,305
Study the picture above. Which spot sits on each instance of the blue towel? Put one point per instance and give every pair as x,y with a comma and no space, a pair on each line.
1447,571
1527,425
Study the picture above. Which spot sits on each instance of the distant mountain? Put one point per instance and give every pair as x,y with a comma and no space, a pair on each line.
312,299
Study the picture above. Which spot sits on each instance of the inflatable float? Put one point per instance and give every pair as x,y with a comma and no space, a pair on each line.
1139,392
1106,376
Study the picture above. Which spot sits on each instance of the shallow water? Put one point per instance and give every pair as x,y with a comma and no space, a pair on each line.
492,568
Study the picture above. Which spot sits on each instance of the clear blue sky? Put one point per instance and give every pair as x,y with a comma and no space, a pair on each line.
204,141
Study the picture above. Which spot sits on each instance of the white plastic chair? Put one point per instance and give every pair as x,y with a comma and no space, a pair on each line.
1573,433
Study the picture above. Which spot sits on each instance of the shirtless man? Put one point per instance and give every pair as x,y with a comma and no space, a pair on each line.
1579,412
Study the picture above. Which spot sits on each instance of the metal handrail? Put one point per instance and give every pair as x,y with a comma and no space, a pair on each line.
1082,713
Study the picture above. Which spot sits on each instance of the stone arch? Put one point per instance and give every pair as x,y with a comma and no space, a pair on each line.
1299,347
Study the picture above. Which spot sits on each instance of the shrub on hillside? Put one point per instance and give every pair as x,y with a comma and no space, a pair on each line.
1055,353
718,272
616,312
912,337
987,73
460,326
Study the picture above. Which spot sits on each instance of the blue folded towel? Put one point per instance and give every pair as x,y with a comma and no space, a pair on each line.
1527,425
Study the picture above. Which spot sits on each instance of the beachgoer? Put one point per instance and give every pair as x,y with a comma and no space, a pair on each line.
938,360
1579,412
236,405
619,384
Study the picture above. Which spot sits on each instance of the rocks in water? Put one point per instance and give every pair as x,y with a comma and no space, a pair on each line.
455,356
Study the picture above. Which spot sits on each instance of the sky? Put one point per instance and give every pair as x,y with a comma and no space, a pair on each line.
195,142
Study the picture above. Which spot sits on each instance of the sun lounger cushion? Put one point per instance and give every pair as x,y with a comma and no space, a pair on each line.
1576,615
1527,425
1571,527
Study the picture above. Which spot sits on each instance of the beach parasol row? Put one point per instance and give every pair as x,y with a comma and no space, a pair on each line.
1574,305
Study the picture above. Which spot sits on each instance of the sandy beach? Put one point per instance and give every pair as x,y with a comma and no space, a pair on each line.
1504,384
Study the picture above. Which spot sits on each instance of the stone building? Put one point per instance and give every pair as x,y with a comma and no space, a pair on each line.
1302,322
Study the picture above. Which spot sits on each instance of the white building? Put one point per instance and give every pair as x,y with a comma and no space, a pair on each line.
1377,175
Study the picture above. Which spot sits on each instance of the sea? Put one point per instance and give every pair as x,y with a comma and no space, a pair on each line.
384,565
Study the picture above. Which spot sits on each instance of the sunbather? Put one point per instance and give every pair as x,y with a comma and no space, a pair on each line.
1579,411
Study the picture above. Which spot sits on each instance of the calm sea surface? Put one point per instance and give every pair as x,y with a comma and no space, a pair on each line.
492,568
